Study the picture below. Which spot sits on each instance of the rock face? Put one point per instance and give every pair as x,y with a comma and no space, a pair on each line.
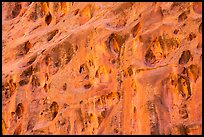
101,68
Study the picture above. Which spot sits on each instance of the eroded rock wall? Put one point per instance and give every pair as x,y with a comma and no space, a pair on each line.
101,68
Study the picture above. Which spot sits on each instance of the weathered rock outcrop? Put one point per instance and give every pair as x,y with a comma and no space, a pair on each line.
101,68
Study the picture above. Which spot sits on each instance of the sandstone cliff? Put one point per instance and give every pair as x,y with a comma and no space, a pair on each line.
101,68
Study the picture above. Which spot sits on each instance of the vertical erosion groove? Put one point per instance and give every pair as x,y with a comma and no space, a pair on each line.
31,123
18,130
153,117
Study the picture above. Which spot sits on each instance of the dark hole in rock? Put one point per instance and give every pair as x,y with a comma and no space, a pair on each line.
136,29
87,86
176,31
48,19
27,46
82,68
32,59
130,71
64,86
52,34
23,82
150,58
27,73
19,110
192,36
35,81
87,77
200,28
185,57
33,16
76,12
54,109
182,17
81,102
16,10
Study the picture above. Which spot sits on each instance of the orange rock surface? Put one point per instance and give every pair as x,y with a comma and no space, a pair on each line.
101,68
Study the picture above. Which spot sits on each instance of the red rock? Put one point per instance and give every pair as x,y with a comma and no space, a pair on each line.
101,68
197,7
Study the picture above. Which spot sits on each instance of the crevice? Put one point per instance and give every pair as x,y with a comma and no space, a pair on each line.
48,19
52,34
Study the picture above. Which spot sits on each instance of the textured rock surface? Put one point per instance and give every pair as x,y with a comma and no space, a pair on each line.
101,68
